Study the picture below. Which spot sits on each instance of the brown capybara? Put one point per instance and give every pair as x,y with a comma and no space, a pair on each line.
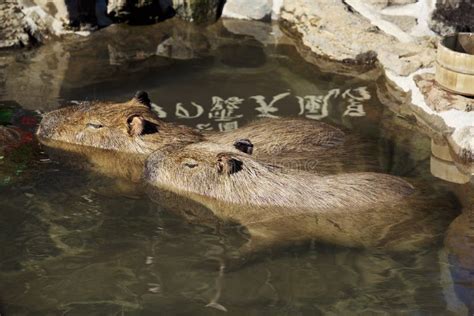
280,205
132,127
129,127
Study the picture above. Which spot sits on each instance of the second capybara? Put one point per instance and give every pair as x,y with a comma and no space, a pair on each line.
280,205
132,127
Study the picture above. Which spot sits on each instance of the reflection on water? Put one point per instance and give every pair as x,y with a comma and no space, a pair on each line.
78,243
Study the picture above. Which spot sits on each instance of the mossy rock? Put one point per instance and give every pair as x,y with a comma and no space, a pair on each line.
199,11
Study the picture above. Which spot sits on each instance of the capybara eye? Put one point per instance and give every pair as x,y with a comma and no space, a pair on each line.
244,145
94,126
191,164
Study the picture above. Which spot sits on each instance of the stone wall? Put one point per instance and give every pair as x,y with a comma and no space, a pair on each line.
396,39
31,21
453,16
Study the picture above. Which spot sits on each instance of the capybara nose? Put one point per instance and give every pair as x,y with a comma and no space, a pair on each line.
49,123
45,128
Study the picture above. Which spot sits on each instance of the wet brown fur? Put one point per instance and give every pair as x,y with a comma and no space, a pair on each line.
301,144
280,205
74,125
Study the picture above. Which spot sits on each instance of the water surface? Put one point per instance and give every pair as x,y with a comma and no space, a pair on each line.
77,243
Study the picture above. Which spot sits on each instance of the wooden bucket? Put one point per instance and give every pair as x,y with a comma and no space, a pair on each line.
455,63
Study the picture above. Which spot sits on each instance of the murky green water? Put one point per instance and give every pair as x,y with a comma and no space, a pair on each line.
77,243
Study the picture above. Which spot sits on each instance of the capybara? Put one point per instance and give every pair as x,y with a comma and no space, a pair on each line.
280,205
132,127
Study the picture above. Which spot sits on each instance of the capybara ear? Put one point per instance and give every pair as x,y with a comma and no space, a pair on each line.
142,97
244,145
226,164
136,125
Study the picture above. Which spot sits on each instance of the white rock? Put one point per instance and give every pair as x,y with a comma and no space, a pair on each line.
249,9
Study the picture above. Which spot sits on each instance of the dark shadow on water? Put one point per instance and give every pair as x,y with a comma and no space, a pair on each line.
81,12
2,309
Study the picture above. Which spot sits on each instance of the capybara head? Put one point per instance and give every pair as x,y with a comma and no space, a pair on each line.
126,127
209,169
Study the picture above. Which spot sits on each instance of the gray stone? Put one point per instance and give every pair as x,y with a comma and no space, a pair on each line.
248,9
140,11
453,16
401,2
14,31
330,29
149,11
199,11
380,4
406,23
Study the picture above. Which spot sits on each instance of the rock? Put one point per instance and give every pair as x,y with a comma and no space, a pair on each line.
461,140
140,11
331,29
150,11
462,143
405,23
248,9
25,22
265,33
15,31
439,99
33,21
175,49
199,11
453,16
60,16
401,2
380,4
359,32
